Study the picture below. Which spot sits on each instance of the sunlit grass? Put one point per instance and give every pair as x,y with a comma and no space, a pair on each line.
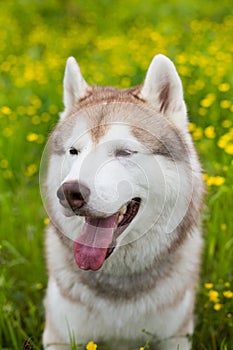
114,43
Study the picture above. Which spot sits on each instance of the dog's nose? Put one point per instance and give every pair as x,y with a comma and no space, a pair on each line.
73,195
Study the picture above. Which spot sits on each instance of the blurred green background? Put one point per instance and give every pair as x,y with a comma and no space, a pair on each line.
114,42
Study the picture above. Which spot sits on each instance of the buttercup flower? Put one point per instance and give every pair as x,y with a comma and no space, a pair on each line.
91,346
208,285
213,295
228,294
210,132
218,307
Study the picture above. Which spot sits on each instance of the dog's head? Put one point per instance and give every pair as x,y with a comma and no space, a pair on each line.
120,161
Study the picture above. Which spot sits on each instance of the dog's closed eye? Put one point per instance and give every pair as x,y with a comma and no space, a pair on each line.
124,152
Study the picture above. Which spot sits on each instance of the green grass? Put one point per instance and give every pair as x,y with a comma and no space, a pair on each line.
114,42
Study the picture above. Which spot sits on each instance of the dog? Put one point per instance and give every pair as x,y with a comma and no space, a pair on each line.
124,194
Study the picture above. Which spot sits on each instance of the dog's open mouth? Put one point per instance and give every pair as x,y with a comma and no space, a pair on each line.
98,237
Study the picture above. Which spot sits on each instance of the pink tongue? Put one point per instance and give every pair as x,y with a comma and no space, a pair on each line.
91,247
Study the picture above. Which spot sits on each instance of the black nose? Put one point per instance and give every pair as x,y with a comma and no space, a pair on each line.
73,195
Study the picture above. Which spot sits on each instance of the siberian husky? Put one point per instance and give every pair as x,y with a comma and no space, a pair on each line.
124,194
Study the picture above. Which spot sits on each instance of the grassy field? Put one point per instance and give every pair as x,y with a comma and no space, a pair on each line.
114,42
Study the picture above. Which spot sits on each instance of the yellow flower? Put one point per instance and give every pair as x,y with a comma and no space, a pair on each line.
197,134
31,110
213,180
208,285
31,170
6,110
141,348
45,116
216,180
35,120
184,70
213,295
32,137
222,142
218,307
229,149
224,87
125,82
225,104
228,294
91,346
206,103
181,58
210,132
4,163
191,127
39,286
36,101
226,123
46,221
223,227
202,111
53,109
208,100
205,177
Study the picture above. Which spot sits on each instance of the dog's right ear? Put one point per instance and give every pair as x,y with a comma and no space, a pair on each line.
75,87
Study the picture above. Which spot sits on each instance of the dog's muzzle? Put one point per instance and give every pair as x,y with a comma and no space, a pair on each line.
98,235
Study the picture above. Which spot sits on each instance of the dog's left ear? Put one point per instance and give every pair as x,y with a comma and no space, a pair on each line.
75,87
163,90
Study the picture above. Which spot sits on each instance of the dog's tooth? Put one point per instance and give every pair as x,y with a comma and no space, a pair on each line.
123,210
120,218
